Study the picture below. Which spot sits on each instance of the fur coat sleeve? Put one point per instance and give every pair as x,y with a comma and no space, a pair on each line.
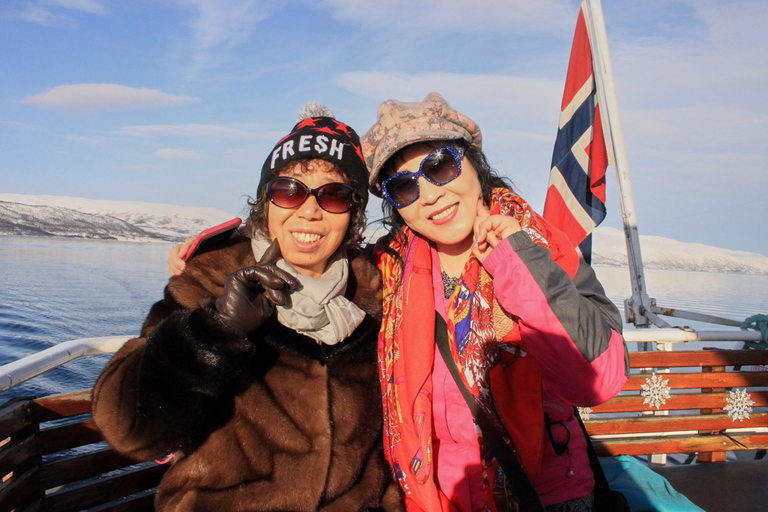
166,390
162,391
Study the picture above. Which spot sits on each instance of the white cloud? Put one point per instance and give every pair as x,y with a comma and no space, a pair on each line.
191,131
91,6
701,129
226,21
458,15
86,98
177,154
83,140
530,100
694,109
38,15
15,124
56,12
488,89
726,64
223,22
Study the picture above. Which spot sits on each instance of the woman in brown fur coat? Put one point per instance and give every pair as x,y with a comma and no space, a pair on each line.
259,373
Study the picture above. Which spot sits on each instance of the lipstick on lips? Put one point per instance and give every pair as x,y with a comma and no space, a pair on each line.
445,214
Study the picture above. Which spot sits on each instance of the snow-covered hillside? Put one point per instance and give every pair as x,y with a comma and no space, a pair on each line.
127,220
609,248
90,218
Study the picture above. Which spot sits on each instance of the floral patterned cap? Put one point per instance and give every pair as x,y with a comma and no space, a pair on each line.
399,124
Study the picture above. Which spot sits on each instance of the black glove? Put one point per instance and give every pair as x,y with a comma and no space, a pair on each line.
251,293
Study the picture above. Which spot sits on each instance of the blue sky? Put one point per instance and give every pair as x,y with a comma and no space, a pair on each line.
179,101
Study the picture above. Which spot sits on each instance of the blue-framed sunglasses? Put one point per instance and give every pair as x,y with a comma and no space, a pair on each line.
441,166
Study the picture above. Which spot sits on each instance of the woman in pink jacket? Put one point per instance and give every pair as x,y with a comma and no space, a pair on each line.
529,327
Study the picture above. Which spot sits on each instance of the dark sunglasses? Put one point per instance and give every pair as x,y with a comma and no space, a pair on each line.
441,166
290,193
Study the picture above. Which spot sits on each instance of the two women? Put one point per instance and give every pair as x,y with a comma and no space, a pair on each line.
257,371
529,329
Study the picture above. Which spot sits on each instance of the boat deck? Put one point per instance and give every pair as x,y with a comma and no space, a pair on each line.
730,486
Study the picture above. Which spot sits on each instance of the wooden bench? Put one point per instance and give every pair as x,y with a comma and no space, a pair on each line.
704,403
53,458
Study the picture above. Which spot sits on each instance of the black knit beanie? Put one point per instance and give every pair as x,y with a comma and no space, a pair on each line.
319,135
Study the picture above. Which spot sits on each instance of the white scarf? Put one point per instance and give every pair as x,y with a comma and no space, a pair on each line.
318,308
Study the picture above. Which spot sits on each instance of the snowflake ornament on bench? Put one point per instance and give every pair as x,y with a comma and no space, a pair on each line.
655,391
739,404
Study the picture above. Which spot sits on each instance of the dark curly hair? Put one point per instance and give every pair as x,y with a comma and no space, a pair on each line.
258,220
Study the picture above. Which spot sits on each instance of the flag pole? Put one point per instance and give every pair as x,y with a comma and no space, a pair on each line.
638,307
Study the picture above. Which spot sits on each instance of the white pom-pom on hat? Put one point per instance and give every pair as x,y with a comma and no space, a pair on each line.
313,109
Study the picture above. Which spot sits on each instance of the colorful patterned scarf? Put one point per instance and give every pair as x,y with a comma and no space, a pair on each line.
406,367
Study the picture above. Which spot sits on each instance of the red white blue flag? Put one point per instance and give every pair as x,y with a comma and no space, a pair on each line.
575,200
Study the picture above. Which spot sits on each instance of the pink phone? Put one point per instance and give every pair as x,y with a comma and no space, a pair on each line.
212,236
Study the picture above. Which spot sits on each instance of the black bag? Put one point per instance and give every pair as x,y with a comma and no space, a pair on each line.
611,501
606,500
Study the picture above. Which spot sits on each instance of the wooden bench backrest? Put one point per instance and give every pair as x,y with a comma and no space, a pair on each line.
53,458
687,409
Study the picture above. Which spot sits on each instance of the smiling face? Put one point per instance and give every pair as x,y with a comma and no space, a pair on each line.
308,235
444,214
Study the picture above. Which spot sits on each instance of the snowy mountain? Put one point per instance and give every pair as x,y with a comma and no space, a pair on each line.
90,218
127,220
609,248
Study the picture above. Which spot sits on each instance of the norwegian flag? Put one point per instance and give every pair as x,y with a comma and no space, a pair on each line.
575,200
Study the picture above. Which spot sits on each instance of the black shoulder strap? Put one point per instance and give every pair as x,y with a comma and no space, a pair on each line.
601,482
524,491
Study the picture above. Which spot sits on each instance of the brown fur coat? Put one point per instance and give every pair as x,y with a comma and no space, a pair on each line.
275,422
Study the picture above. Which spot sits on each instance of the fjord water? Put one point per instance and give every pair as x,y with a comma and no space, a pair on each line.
57,289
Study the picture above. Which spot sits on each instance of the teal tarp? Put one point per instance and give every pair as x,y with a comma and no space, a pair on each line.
646,490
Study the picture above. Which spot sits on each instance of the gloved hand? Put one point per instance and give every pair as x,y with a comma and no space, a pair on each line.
251,293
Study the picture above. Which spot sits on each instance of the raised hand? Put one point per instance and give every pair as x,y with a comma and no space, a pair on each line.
251,294
176,265
490,229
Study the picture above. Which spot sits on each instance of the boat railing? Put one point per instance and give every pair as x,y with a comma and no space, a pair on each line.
684,335
52,455
13,374
16,372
